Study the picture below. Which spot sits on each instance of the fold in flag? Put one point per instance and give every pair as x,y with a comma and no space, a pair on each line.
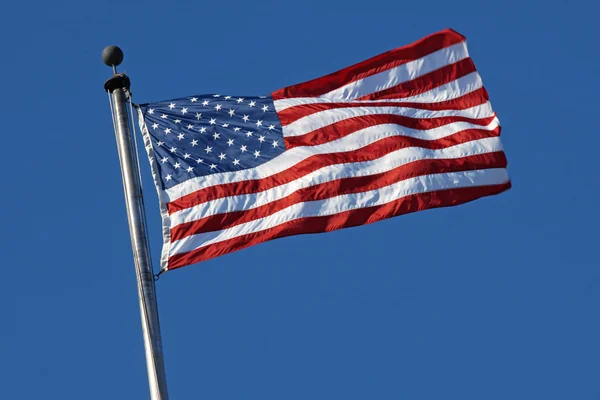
408,130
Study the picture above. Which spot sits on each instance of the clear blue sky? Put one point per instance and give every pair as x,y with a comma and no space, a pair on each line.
496,299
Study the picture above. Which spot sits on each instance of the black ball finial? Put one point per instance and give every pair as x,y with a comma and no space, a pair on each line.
112,56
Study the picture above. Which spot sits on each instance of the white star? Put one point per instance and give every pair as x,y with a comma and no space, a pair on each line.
194,99
245,118
154,125
190,126
194,143
168,177
177,165
198,115
167,131
271,127
186,156
189,169
173,149
236,161
202,130
180,136
208,149
240,99
218,107
213,121
151,111
216,135
256,154
261,138
172,106
265,108
236,129
164,160
231,112
160,143
199,161
248,133
164,116
184,110
225,125
275,144
252,104
213,166
258,123
205,103
243,148
227,97
222,156
177,121
230,142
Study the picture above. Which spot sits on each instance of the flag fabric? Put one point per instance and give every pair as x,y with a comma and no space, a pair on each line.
408,130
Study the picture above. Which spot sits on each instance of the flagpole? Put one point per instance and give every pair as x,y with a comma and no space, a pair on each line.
118,86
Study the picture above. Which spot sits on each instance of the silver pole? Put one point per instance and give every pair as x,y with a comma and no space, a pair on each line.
117,86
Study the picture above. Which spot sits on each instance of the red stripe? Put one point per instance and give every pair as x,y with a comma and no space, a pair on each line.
313,163
382,62
348,126
412,203
468,100
425,82
339,187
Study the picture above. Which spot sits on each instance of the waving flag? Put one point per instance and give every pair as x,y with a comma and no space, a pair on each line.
408,130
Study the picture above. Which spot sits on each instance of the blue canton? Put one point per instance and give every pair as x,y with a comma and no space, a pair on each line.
209,134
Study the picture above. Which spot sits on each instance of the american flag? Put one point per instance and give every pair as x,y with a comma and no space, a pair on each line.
408,130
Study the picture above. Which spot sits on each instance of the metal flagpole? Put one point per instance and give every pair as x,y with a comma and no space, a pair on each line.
118,86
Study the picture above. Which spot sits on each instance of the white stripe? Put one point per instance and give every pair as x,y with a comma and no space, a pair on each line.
448,91
291,157
325,118
329,173
395,76
421,184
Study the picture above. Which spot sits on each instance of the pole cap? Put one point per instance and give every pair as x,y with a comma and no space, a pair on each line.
112,56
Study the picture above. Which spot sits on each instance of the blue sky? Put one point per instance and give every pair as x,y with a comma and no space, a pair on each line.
494,299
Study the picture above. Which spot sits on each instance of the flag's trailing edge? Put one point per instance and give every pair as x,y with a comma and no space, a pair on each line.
408,130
